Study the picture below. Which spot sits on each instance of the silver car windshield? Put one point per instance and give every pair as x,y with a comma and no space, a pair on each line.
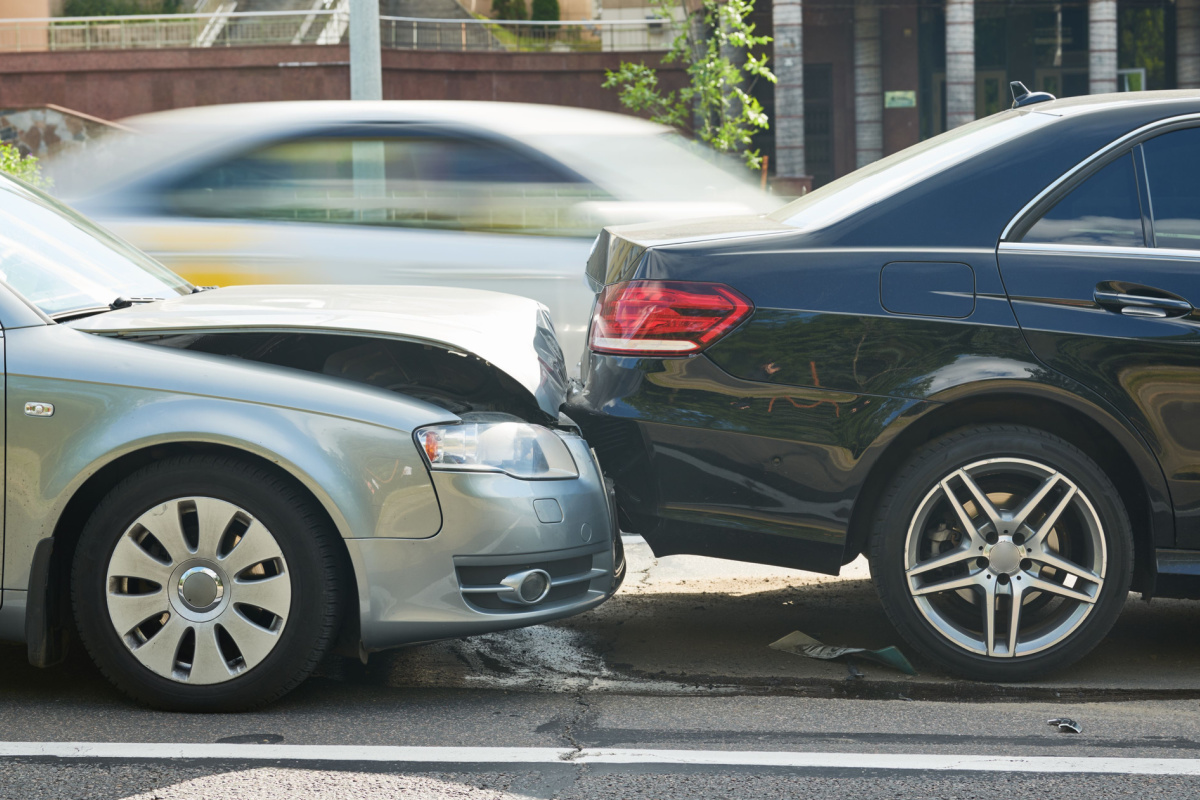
64,265
864,187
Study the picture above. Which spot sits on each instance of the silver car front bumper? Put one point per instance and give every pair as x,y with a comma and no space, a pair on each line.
449,585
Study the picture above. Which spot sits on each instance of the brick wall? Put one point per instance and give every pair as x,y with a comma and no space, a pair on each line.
118,83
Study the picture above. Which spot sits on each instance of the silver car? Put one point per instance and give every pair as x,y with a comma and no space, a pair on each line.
216,488
499,196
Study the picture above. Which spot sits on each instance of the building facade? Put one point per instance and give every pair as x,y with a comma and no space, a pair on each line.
860,79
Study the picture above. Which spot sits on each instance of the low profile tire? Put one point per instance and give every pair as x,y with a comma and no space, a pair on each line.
1001,552
206,584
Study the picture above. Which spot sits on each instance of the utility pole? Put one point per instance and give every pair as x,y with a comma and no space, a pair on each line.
366,83
366,68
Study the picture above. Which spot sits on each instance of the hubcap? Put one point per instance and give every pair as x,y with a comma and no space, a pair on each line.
198,590
1005,557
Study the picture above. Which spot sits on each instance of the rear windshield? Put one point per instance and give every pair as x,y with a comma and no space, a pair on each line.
875,182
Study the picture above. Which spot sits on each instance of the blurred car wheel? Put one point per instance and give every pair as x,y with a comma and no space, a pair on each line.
1002,552
206,583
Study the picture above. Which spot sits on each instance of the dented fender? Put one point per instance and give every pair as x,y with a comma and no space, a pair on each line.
351,446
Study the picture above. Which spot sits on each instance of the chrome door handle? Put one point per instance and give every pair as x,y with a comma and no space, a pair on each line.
1137,305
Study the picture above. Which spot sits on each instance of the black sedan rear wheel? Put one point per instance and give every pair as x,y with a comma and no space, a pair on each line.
1001,552
206,584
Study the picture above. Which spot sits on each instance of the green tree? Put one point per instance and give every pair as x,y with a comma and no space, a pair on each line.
26,168
717,48
509,9
545,10
116,8
1142,43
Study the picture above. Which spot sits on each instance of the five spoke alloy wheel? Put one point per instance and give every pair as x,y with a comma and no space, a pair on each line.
1002,552
207,583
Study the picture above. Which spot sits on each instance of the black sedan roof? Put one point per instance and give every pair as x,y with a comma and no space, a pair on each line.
962,188
959,189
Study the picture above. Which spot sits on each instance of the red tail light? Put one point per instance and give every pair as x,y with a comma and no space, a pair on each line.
665,318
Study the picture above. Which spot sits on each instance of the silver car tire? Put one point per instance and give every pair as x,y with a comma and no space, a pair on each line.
207,584
1001,552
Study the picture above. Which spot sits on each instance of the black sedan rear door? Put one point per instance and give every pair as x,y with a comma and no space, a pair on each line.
1104,277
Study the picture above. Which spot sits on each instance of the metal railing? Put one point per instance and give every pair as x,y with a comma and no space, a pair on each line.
224,28
409,33
228,28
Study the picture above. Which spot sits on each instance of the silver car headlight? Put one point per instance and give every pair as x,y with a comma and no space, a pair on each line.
518,449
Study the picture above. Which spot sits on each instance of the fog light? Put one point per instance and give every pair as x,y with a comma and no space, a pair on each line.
529,587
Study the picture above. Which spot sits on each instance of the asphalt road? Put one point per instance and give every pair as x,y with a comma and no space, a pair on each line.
668,691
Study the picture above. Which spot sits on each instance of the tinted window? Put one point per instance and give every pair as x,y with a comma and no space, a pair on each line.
1173,176
1103,210
412,182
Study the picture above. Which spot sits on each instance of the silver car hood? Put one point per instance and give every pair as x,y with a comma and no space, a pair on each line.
514,334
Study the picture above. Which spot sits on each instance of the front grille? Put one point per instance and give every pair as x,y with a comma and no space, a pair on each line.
569,577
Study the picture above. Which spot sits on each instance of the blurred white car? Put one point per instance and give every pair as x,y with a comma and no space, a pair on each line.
499,196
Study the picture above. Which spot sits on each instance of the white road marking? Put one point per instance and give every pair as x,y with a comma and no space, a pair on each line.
552,755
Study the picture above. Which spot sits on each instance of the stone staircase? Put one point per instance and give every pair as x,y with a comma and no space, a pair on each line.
429,9
437,36
326,29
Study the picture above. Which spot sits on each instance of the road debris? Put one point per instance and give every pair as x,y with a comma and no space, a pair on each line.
802,644
1066,725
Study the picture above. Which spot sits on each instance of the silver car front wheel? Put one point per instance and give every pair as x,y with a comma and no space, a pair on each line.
208,583
198,590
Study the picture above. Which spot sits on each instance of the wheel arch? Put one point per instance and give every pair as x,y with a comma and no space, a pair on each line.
1119,452
48,623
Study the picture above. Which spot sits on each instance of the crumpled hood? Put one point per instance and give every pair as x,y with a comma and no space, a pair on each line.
512,333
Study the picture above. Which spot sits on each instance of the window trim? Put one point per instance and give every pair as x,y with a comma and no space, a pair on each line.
1161,253
1143,184
1033,211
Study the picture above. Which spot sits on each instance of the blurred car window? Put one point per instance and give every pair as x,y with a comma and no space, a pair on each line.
61,263
665,167
1173,175
1103,210
429,182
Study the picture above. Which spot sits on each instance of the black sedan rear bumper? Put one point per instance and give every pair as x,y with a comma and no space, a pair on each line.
708,464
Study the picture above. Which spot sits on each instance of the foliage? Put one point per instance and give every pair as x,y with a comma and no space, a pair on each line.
1142,43
509,9
545,10
119,8
717,50
26,168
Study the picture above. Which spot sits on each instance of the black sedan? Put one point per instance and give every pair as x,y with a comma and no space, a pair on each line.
976,361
